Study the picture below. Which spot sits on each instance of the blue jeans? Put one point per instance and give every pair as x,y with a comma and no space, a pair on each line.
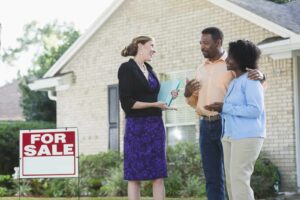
212,158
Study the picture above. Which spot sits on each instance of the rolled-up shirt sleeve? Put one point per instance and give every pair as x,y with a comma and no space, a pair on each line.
192,100
125,89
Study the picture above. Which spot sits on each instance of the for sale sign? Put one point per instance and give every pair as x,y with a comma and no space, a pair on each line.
49,153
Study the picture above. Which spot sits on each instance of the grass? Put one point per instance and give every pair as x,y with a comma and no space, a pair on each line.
95,198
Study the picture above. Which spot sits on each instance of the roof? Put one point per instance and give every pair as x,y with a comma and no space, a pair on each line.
10,108
234,7
242,8
63,60
286,15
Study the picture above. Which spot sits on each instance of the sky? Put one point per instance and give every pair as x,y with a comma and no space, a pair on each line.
14,14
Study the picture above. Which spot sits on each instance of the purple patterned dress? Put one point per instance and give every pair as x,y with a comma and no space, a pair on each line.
144,146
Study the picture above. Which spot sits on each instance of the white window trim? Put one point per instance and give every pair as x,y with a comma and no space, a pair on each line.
58,83
180,124
296,82
281,49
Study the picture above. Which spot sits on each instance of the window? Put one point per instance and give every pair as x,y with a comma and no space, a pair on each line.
113,118
180,124
179,133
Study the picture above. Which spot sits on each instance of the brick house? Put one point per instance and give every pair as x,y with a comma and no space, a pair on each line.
10,109
84,79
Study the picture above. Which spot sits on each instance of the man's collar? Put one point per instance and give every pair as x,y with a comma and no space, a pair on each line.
222,58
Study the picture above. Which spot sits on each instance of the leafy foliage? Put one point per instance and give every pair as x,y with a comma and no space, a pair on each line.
114,185
9,142
185,174
95,170
49,42
102,175
185,171
265,179
6,185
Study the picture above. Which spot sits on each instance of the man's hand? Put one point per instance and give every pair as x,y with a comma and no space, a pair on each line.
217,106
255,74
191,87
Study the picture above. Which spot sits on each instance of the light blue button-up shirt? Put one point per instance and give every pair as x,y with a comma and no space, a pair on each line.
243,113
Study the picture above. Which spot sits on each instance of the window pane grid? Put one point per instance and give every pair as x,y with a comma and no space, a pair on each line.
180,124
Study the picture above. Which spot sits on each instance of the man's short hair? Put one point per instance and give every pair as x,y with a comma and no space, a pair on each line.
215,33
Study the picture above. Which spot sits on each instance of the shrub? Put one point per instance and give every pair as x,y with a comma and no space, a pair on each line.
94,170
6,181
265,179
185,159
9,142
146,188
37,186
102,175
3,191
24,188
185,175
6,185
192,189
61,187
174,184
185,172
114,185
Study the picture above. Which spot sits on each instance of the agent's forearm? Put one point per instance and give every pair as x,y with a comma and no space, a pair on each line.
143,105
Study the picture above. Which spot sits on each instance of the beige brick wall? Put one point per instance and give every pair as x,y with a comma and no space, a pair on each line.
280,144
176,26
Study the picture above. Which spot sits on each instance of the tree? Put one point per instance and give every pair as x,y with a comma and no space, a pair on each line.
9,142
49,43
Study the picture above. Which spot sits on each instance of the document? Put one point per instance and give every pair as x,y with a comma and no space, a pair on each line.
166,88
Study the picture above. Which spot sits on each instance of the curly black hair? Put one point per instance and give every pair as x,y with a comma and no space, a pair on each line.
245,53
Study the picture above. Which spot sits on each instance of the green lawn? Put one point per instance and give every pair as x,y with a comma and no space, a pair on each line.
98,198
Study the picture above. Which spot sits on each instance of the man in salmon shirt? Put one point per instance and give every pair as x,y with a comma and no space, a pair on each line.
210,86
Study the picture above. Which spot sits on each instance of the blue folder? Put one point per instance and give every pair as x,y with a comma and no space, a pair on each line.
166,88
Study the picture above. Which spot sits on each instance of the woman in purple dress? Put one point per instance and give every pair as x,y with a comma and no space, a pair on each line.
144,139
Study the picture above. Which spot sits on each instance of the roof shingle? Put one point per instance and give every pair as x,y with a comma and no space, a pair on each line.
286,15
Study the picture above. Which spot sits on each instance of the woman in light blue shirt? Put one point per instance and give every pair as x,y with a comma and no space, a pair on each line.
244,120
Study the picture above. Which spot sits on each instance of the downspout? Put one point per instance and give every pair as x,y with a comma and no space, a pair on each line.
52,95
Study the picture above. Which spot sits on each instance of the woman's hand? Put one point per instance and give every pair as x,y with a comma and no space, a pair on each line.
175,94
163,106
217,106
